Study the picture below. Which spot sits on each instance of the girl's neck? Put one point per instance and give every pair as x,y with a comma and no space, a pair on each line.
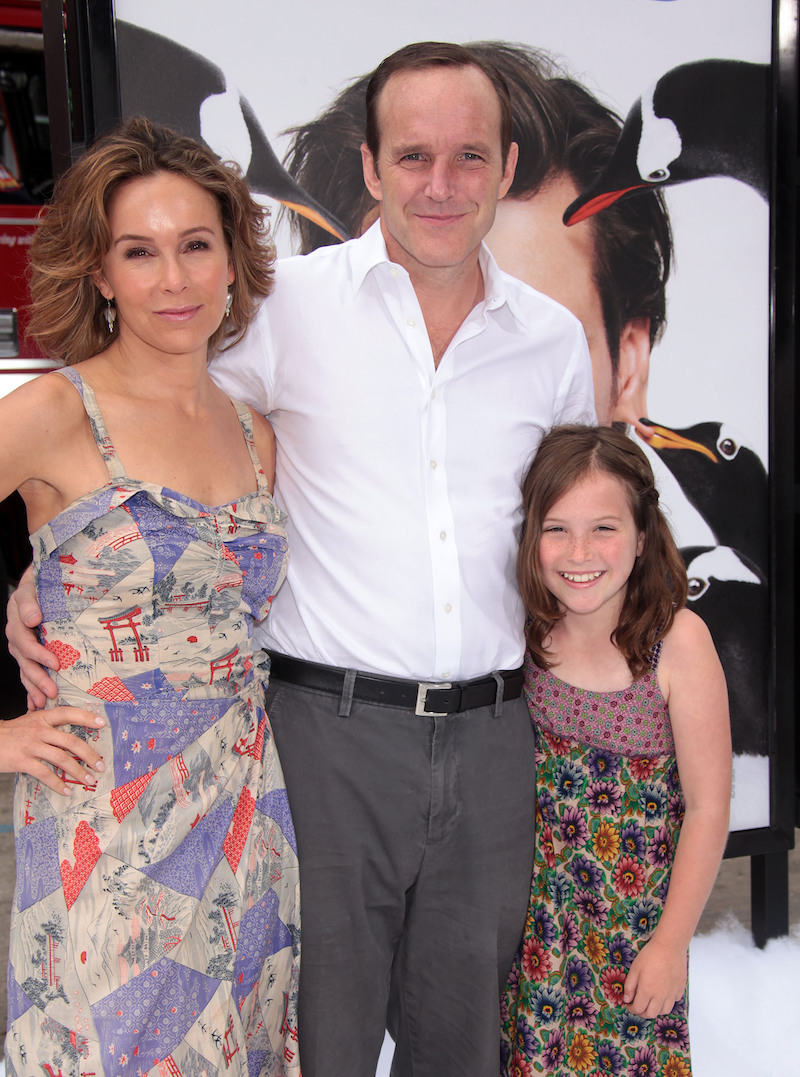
585,656
590,631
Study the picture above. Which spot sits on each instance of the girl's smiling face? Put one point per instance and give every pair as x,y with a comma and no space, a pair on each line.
588,547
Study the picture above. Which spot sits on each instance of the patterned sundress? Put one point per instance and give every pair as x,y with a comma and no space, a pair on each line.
609,813
155,923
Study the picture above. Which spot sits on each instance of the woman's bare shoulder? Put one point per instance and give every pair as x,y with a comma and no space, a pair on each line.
48,404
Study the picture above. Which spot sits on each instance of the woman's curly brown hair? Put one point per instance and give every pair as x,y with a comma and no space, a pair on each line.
657,586
67,311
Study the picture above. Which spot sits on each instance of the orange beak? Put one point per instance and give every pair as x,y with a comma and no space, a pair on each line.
312,215
664,438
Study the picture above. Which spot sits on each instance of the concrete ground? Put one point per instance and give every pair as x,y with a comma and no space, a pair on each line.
731,895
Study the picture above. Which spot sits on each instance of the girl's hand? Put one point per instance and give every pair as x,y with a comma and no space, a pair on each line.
657,979
34,744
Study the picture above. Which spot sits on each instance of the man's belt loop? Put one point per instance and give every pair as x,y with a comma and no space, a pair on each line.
498,699
346,701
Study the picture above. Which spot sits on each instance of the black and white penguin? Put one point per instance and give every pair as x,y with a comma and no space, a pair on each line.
706,118
170,84
731,595
724,479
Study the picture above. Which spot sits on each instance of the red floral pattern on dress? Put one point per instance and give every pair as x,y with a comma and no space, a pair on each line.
66,654
236,837
112,689
125,797
86,850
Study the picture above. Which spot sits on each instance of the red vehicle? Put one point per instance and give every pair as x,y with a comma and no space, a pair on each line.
25,178
25,183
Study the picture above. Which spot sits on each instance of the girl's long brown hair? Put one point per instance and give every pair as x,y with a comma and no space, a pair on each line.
67,311
657,586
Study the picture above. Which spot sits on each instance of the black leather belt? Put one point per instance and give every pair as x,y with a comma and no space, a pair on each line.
422,697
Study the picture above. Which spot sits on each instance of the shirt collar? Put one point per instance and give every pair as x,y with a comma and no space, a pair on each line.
369,251
495,284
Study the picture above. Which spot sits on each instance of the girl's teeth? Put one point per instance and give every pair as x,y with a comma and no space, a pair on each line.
581,577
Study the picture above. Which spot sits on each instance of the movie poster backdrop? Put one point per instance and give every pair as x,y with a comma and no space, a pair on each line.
692,81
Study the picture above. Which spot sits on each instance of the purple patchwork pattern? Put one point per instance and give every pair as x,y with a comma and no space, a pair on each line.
51,591
146,1018
190,867
255,1062
148,733
38,872
261,933
262,563
18,1002
275,805
167,536
69,524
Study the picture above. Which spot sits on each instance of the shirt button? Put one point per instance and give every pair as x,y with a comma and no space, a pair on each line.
433,394
445,674
442,535
393,272
448,608
433,464
410,323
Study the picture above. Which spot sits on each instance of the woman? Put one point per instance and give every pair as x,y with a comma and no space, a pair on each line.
156,917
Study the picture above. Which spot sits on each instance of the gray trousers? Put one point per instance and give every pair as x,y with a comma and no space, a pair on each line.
415,841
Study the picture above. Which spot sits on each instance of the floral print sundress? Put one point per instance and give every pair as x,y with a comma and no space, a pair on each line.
155,923
609,813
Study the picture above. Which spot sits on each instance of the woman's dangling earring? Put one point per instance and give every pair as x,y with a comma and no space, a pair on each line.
228,304
111,316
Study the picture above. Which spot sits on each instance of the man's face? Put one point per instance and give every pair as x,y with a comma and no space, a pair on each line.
530,241
439,171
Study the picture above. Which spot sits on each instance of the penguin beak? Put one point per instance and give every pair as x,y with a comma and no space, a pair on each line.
312,215
664,438
579,210
267,175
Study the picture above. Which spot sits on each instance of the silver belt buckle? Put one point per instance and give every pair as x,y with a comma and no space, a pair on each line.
422,695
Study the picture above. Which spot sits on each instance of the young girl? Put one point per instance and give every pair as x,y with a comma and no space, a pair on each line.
630,707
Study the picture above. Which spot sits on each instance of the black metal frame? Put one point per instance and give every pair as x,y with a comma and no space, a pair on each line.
768,847
81,71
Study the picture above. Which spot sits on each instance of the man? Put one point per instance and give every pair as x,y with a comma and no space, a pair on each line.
409,382
611,274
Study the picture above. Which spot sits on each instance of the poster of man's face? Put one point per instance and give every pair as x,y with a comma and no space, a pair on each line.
645,122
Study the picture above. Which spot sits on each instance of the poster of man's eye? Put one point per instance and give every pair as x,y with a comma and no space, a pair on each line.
642,204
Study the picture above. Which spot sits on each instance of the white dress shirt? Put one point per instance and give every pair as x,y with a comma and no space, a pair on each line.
401,480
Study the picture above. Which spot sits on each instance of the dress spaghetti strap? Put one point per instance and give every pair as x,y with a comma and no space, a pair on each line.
655,654
113,463
246,422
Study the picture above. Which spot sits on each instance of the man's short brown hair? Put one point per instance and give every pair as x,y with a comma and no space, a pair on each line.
427,54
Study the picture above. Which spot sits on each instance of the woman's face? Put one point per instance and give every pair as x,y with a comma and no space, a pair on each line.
168,267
